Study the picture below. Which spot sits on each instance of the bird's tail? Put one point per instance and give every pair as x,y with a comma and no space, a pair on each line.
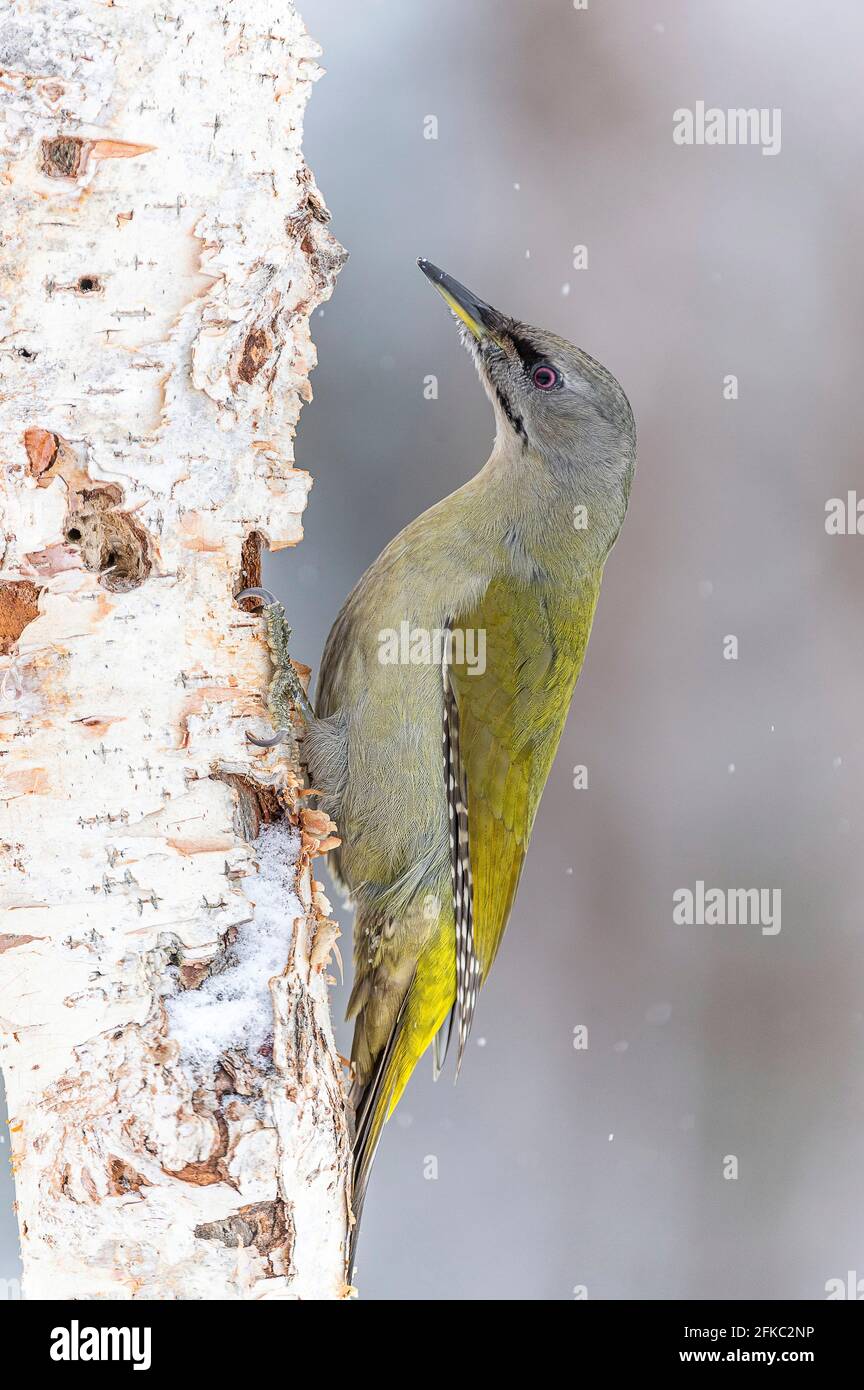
371,1103
426,1004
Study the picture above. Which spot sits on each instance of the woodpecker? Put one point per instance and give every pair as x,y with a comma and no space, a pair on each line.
443,691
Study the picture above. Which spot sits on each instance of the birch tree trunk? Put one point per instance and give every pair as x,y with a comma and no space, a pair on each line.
175,1097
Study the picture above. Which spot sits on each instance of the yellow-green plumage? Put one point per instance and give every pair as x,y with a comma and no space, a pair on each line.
433,861
511,719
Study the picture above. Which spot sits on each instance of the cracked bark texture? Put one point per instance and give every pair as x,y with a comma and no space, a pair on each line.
162,246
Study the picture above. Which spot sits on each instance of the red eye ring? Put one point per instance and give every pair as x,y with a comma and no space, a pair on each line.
544,377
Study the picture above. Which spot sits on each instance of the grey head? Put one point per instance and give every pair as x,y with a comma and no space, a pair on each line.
550,398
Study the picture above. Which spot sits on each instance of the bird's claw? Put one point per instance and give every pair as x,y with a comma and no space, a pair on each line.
265,596
280,736
286,691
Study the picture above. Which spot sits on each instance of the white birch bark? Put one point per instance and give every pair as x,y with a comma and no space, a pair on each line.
175,1097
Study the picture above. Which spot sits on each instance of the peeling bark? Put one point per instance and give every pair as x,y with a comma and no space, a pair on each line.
175,1097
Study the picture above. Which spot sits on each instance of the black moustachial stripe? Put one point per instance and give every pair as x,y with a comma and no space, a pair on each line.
515,420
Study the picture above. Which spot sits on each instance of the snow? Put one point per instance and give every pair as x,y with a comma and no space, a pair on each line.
232,1009
658,1013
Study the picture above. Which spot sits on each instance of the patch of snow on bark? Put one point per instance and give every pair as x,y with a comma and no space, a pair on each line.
232,1009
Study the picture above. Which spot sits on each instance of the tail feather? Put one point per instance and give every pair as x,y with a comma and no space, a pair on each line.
371,1102
428,999
441,1045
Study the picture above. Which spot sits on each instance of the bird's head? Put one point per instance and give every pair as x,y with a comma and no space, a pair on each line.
549,397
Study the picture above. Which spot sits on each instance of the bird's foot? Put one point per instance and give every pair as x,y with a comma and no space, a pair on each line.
286,690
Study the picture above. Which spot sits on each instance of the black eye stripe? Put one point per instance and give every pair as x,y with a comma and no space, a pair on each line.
532,359
528,354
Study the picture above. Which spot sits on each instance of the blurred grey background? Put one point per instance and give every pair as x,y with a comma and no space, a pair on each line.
603,1168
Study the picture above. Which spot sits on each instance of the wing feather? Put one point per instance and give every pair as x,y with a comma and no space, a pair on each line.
509,717
467,962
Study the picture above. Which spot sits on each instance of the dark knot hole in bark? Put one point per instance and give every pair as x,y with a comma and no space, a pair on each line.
112,543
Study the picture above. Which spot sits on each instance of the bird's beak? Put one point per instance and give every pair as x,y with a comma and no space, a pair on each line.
479,318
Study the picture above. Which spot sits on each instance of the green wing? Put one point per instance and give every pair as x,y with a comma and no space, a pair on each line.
501,729
511,715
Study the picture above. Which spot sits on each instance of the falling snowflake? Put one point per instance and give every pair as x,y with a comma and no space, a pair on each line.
658,1013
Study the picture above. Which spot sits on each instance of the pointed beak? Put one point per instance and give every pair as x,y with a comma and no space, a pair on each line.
479,318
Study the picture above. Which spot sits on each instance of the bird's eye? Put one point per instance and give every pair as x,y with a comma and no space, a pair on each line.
545,377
